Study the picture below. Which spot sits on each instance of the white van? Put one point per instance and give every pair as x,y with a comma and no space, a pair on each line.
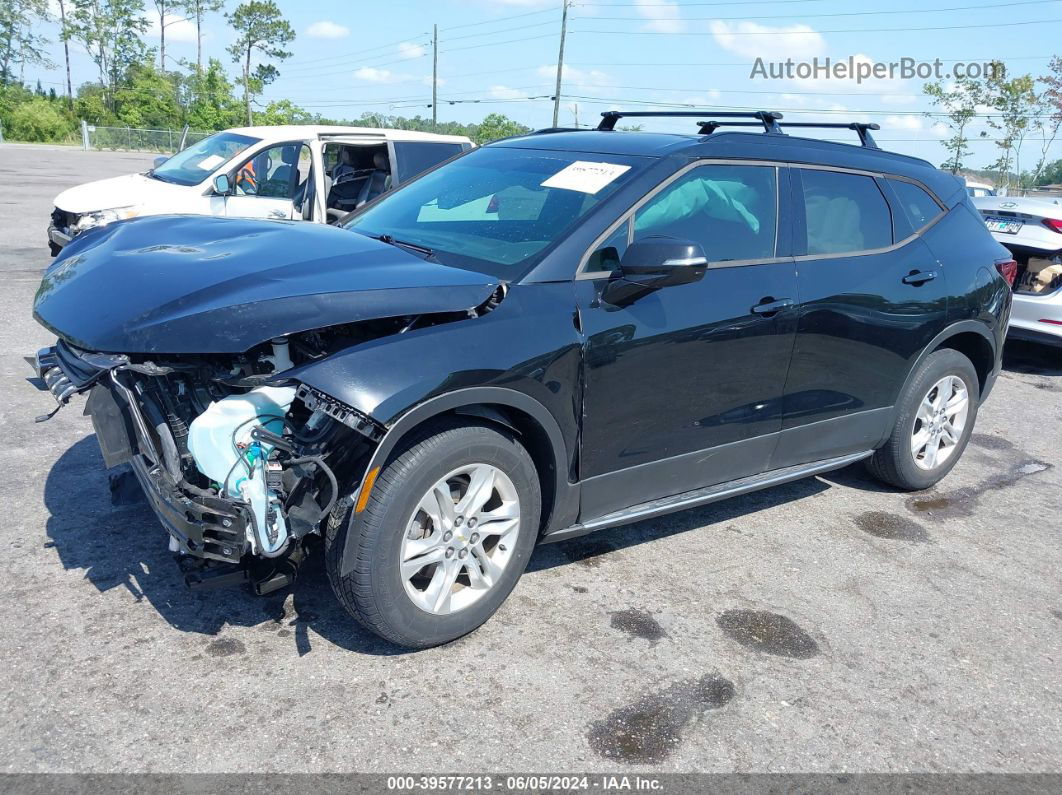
313,173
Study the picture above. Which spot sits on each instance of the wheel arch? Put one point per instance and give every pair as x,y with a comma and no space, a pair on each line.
530,420
971,338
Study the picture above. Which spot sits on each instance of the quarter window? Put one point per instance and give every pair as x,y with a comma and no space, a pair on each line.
730,210
845,212
920,207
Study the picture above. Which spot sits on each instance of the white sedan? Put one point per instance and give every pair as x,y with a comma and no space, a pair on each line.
310,173
1031,229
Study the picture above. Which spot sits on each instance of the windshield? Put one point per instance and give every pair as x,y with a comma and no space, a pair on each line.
192,165
496,208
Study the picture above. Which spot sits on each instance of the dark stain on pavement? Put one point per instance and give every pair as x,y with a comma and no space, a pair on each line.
586,553
961,502
891,526
769,633
125,489
990,442
225,647
638,624
651,728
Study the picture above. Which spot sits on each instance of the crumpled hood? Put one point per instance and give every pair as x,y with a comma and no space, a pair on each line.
191,284
125,191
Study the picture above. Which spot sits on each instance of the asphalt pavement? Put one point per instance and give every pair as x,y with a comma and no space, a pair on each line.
827,625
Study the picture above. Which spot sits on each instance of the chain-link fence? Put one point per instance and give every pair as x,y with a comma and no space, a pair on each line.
134,139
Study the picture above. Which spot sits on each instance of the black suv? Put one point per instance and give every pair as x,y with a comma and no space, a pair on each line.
548,336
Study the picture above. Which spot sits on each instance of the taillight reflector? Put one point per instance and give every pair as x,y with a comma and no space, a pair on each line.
1054,224
1052,322
1008,269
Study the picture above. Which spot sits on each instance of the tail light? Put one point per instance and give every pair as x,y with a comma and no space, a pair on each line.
1008,269
1054,224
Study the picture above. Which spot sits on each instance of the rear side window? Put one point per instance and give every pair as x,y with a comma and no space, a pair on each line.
920,207
845,212
415,157
731,211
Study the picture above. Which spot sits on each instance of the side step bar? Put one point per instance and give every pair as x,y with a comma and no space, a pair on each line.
691,499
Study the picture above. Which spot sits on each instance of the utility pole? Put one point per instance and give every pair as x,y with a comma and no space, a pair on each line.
434,76
560,63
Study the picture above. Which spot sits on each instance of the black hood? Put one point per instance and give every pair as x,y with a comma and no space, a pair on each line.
188,284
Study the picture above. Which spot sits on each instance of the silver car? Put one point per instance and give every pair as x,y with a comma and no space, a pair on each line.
1031,229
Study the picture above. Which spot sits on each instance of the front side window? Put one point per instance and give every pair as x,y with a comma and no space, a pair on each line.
919,206
732,211
275,173
845,212
497,208
194,164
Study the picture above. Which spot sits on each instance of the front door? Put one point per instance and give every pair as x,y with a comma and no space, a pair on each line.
683,387
872,297
268,183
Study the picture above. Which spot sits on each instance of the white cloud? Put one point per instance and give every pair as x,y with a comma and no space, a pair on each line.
940,130
504,92
408,49
592,78
769,43
909,123
326,29
663,15
177,28
898,99
372,75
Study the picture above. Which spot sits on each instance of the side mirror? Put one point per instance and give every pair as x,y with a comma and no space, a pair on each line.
652,263
221,185
160,160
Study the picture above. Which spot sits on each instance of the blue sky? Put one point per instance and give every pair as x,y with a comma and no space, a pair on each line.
376,56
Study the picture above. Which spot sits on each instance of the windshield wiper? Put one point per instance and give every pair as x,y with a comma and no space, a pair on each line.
392,241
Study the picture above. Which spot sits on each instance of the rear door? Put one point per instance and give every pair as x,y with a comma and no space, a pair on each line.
872,296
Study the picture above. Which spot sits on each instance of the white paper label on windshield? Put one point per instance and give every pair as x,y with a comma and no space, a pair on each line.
209,163
585,176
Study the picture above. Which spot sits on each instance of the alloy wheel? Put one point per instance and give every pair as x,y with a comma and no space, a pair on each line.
460,538
939,422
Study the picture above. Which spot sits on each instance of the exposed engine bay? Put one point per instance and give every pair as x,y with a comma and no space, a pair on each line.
240,464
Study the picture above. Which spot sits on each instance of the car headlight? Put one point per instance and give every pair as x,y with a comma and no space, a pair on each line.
104,217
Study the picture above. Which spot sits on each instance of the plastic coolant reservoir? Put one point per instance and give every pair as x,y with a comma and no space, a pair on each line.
221,436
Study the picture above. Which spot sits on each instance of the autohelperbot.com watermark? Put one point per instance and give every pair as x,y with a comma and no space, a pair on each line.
863,69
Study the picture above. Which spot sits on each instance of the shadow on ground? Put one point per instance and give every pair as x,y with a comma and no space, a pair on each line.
1032,358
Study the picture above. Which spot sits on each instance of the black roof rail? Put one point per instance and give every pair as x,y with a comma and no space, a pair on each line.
548,130
767,118
863,130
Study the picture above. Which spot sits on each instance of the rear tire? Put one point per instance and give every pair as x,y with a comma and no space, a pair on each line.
424,572
934,420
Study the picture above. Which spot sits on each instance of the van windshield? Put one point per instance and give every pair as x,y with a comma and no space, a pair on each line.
192,165
496,208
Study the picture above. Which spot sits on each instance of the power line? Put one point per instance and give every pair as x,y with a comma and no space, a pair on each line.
499,19
600,65
821,16
846,30
499,43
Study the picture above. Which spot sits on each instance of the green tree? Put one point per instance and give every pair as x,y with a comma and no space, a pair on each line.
959,105
64,36
197,9
1015,101
1048,118
112,32
213,105
91,104
146,97
39,120
165,10
495,126
284,111
260,29
19,45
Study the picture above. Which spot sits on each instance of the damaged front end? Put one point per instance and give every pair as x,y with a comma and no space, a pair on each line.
239,464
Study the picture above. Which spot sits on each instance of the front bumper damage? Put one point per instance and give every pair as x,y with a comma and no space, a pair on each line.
203,526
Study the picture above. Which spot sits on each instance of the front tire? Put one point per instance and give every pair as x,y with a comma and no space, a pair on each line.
935,418
448,529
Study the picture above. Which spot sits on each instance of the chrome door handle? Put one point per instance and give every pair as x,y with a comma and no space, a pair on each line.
919,277
770,306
